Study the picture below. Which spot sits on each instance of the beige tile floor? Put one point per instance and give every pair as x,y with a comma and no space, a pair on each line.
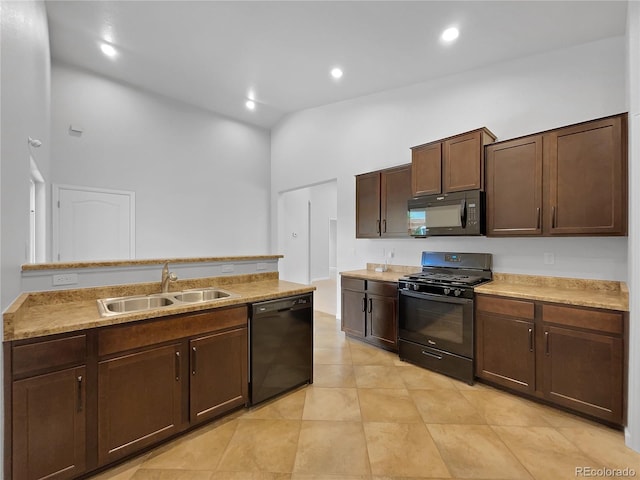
370,416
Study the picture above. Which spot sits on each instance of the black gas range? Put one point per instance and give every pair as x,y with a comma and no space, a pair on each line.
436,314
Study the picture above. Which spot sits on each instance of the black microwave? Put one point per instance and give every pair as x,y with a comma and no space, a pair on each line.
457,213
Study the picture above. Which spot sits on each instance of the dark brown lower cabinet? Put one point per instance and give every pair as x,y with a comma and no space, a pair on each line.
369,311
354,308
583,371
49,418
382,326
506,353
81,401
218,374
570,356
139,399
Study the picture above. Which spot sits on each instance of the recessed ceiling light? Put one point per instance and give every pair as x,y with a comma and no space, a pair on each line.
450,34
250,104
108,50
336,72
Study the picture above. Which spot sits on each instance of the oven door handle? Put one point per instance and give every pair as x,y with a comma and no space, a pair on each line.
435,298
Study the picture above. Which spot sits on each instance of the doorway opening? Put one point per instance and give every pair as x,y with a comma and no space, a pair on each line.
37,218
307,237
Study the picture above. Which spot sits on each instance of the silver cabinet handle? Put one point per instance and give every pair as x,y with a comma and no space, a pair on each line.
531,339
177,366
79,380
193,360
547,348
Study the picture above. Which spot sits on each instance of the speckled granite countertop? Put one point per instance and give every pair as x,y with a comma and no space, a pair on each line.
393,273
45,313
571,291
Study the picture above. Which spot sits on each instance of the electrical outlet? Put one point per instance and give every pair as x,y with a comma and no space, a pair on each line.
227,268
549,259
65,279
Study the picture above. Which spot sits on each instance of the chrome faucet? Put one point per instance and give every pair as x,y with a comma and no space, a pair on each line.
167,277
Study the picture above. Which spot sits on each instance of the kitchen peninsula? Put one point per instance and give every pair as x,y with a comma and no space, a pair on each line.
95,389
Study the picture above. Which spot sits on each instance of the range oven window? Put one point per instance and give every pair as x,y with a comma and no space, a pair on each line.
445,322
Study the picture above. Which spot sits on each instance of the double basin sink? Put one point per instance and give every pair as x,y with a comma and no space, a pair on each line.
139,303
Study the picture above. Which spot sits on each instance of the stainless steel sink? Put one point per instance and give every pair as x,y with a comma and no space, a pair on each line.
201,295
139,303
133,304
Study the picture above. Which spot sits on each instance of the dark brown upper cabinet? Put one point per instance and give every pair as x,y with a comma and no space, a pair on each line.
452,164
568,181
381,203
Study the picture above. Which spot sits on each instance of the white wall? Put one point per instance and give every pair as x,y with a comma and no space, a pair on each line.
512,99
25,100
201,180
633,33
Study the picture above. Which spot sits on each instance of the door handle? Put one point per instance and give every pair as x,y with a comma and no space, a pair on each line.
553,217
378,225
538,216
547,347
193,360
531,339
384,222
370,305
364,304
177,366
79,380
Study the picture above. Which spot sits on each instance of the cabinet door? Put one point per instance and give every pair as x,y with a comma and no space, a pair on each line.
426,169
514,187
462,167
139,400
382,324
588,179
505,351
218,372
368,205
583,371
353,312
396,192
49,418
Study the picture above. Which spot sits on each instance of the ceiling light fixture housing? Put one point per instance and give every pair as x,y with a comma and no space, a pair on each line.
450,34
108,50
336,73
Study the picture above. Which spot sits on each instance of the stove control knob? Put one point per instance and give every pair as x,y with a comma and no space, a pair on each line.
457,292
415,286
447,291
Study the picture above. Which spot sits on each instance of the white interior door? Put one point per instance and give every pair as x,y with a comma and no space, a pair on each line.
93,224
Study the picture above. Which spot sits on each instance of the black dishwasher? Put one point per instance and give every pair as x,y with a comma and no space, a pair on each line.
280,346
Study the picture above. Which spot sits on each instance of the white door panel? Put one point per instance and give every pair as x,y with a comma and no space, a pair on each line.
93,224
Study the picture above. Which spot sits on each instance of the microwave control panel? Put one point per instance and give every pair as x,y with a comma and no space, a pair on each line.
472,214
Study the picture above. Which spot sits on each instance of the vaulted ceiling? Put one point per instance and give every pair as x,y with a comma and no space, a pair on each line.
217,54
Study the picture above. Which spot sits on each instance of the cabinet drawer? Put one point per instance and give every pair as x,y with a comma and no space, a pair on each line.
49,355
356,284
382,288
609,322
502,306
142,334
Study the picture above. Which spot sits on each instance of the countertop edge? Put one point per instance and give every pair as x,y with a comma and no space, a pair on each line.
274,289
150,261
